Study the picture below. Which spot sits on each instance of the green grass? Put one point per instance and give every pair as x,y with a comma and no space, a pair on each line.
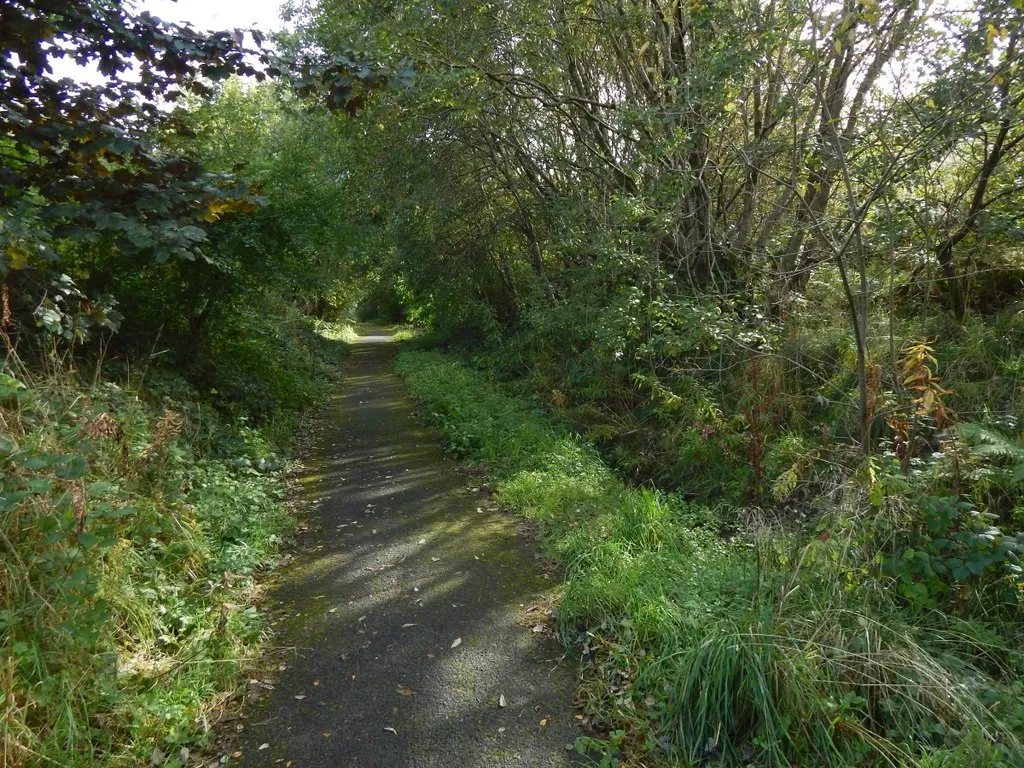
131,541
776,647
344,332
406,333
136,523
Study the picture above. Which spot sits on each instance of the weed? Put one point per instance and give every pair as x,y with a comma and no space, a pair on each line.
134,525
770,648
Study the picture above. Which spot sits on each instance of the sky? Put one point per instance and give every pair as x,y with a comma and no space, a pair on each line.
213,15
217,14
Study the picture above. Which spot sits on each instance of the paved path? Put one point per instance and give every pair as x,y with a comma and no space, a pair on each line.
402,560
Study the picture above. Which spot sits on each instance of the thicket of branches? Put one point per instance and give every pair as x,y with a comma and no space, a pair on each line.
766,255
646,205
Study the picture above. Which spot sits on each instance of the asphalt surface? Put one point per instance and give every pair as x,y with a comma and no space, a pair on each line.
404,558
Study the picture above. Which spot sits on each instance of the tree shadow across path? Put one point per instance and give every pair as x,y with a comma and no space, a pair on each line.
402,559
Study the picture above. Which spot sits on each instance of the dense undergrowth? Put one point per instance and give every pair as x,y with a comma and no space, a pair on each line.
781,646
137,516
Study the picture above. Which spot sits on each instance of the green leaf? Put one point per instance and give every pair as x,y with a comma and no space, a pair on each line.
73,468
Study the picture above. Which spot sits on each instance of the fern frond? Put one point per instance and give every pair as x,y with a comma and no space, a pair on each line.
986,441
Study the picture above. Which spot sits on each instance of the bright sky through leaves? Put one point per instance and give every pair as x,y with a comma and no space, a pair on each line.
264,15
218,14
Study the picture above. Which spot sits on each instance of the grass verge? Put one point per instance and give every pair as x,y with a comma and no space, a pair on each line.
768,648
135,521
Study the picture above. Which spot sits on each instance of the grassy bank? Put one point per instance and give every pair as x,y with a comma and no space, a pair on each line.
138,514
780,646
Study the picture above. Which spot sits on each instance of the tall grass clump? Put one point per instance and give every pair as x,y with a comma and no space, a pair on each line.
774,646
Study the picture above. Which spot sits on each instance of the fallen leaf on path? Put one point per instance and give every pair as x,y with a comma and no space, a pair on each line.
333,610
457,642
389,728
501,700
264,745
543,722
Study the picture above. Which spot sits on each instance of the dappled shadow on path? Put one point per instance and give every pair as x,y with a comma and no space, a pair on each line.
402,559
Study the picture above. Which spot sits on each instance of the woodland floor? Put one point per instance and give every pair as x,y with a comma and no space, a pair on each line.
403,557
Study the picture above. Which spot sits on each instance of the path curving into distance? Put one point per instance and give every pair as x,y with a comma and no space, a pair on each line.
401,559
